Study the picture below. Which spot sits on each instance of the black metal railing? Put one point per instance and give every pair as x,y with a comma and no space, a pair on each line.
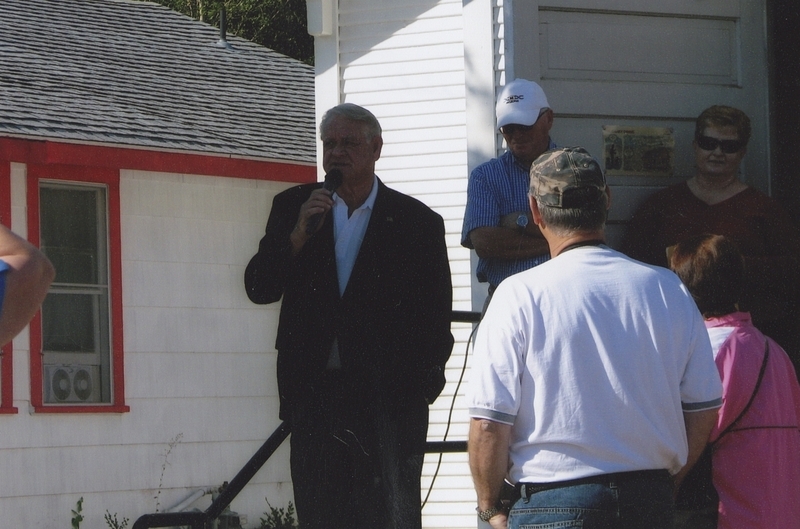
202,520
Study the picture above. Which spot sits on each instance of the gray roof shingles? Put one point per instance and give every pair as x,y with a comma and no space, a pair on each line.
130,73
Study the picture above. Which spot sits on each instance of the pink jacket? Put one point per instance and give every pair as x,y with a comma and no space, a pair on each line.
756,466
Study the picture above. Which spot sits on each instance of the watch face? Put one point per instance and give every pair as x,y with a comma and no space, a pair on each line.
522,221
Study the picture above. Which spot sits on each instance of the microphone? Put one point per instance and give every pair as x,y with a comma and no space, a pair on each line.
332,182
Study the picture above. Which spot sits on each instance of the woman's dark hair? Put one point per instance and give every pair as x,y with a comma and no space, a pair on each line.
712,268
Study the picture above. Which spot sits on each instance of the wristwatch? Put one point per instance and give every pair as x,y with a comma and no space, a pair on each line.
522,221
488,514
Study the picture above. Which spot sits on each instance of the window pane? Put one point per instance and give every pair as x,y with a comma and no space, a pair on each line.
70,234
76,342
70,322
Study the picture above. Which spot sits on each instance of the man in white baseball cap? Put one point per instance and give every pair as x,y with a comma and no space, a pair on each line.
497,221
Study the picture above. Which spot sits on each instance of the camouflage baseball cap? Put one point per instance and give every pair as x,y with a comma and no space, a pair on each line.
567,178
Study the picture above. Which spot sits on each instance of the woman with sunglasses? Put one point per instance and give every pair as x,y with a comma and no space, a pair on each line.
715,200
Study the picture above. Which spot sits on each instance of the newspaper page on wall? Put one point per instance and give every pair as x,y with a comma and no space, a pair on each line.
638,151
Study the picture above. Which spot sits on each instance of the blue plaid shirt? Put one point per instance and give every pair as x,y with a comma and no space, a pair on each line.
497,188
3,270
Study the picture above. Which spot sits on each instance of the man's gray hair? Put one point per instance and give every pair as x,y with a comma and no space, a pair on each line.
564,221
354,113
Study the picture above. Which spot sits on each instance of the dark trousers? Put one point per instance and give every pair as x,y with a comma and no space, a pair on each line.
356,462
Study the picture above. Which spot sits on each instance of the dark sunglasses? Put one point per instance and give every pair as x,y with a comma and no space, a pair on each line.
508,130
727,146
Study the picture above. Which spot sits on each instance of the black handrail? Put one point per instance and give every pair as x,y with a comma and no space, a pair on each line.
199,520
465,316
202,520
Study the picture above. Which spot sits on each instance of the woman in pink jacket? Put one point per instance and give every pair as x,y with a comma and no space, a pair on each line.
756,442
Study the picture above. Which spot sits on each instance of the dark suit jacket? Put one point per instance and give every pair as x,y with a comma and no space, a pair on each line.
393,321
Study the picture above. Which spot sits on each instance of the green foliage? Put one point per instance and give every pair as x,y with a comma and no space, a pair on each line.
279,518
113,523
77,517
280,25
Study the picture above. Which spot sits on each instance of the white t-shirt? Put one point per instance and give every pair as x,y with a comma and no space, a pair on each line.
592,357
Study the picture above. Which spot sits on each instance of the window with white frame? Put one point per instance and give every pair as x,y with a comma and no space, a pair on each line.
75,328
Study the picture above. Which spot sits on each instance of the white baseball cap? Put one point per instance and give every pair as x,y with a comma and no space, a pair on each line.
520,102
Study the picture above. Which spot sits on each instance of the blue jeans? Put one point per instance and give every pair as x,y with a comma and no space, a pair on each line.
635,502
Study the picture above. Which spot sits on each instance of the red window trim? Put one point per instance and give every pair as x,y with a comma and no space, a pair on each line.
6,354
110,178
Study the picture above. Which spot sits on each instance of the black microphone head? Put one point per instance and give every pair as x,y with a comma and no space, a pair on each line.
333,180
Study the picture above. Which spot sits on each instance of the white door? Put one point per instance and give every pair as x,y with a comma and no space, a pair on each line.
638,63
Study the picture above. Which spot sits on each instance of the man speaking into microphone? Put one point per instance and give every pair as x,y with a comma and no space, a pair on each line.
363,335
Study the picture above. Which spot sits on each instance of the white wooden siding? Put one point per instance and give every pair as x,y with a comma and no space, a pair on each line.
200,361
404,61
502,74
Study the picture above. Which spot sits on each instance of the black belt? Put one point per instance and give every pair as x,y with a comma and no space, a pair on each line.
527,489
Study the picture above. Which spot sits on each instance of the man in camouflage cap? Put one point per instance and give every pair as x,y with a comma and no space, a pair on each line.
593,387
567,178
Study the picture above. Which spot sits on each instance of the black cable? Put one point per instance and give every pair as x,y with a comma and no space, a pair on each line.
450,415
